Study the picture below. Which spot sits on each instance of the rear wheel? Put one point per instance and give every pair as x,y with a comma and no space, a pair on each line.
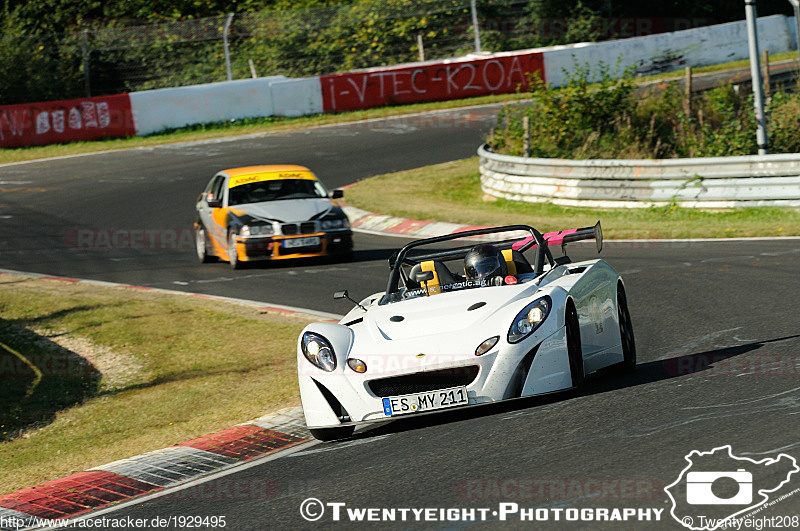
574,349
331,434
233,255
626,332
201,244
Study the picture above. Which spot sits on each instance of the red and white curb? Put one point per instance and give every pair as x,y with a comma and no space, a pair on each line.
122,480
383,225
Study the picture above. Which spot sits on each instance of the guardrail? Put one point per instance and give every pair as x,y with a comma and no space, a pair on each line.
712,182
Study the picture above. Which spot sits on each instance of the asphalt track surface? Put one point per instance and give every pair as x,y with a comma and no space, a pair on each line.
716,326
127,216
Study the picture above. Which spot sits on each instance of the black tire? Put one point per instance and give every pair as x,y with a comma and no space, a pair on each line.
332,434
574,349
626,332
201,245
233,257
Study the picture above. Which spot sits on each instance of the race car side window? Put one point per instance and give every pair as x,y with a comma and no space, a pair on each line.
215,188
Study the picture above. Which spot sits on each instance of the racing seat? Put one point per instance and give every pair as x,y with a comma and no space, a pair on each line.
441,275
516,262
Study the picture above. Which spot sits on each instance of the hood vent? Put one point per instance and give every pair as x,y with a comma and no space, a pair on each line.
476,306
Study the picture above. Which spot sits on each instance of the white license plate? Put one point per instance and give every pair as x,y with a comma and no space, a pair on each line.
418,402
301,242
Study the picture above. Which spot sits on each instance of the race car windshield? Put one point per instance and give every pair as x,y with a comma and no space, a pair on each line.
483,267
276,190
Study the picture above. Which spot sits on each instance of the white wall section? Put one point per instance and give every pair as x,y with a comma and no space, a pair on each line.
296,97
669,51
156,110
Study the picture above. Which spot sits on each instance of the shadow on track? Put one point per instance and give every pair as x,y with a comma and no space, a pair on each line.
362,255
645,373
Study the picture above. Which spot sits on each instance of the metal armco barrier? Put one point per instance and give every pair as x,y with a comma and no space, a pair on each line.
713,182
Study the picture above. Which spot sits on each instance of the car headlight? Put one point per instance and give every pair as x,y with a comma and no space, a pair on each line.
334,224
318,351
529,319
257,230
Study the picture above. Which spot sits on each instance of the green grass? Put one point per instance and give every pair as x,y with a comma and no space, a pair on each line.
136,371
452,192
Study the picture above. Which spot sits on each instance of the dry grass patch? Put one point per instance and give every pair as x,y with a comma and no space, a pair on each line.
154,370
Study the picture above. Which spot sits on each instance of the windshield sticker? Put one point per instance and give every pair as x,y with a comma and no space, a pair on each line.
453,286
238,180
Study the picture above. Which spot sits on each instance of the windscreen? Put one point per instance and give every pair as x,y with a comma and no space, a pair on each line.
275,190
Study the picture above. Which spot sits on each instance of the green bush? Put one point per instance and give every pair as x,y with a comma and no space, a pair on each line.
614,119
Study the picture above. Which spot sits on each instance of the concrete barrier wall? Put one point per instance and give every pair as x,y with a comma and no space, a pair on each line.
463,77
670,51
296,97
33,124
714,182
156,110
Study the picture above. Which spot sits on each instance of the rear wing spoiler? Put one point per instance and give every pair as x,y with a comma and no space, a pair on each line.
564,237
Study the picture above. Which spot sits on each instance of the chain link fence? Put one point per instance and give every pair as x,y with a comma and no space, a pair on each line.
111,57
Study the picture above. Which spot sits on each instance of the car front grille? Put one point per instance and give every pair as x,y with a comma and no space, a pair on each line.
307,227
422,382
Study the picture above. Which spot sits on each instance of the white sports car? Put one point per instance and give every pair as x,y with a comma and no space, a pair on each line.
463,323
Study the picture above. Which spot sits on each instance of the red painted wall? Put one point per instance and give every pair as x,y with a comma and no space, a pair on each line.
33,124
429,82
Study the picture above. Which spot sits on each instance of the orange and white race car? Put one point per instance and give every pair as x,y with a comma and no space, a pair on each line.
269,213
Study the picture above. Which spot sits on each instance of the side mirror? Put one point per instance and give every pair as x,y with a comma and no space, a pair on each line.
423,276
598,236
344,295
336,194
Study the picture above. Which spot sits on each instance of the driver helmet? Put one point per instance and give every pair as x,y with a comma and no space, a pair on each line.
484,262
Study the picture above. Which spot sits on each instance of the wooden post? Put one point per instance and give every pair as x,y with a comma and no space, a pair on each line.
687,107
767,91
252,69
420,47
526,142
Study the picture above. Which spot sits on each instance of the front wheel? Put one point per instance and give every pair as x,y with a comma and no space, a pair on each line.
233,255
332,434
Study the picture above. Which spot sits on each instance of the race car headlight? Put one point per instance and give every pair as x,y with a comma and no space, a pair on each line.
333,224
256,230
529,319
318,351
